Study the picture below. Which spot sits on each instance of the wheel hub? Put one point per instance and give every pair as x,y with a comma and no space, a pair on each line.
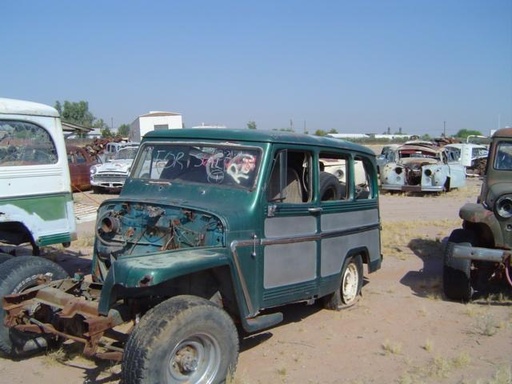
186,360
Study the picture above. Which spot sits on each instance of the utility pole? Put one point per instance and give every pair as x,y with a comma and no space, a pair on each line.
444,128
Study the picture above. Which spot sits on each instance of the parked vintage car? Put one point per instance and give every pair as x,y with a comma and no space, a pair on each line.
338,167
113,147
423,167
111,175
472,156
387,155
80,162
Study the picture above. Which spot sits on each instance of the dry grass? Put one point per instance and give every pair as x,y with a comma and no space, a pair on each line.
85,241
503,375
399,238
393,348
439,368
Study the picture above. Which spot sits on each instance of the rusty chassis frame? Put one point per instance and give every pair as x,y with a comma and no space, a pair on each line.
60,298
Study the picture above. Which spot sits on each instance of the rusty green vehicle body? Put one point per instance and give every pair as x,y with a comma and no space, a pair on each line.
480,253
247,220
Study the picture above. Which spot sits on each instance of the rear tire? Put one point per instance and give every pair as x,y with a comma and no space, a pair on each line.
185,339
457,272
17,275
350,288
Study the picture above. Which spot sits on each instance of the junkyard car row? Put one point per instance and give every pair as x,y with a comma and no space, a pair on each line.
214,227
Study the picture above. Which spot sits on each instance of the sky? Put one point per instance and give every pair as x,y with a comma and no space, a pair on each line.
419,66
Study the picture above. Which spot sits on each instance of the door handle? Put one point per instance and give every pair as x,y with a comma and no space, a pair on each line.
315,210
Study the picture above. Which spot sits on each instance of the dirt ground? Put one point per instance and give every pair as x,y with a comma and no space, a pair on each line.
402,330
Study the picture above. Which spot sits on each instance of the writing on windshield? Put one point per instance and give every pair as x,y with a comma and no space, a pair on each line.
227,165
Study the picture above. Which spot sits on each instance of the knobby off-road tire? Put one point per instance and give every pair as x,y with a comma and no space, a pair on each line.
457,272
16,275
330,187
350,288
185,339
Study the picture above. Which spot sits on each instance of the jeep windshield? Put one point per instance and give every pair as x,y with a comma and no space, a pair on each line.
191,163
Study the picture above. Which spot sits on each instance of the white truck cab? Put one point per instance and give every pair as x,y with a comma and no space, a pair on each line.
36,203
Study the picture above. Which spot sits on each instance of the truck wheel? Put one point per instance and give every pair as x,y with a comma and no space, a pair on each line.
185,339
457,272
17,275
5,257
350,287
330,187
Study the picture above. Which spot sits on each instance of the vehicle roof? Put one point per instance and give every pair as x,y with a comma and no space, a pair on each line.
23,107
504,132
460,145
425,148
250,135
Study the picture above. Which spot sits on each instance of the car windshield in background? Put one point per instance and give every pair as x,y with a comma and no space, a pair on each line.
126,153
209,164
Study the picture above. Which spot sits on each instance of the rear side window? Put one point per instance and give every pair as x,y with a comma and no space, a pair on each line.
343,177
24,143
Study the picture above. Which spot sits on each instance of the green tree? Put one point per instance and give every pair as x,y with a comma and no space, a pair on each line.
75,113
100,124
124,130
106,132
464,133
333,130
320,132
251,124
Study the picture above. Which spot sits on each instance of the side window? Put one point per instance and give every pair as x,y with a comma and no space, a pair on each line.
362,177
339,176
24,143
290,180
333,176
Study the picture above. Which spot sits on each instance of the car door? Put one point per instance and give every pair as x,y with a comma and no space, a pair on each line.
456,170
291,242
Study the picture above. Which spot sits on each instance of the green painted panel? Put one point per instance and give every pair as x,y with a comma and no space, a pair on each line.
48,207
55,239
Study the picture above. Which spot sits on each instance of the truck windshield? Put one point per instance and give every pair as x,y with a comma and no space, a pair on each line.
503,160
207,164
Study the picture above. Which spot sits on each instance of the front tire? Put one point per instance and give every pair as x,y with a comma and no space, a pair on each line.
457,272
17,275
185,339
350,288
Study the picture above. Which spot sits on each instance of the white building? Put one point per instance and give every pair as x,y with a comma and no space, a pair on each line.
154,121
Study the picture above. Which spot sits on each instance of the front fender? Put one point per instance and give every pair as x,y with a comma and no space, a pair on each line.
152,269
478,214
